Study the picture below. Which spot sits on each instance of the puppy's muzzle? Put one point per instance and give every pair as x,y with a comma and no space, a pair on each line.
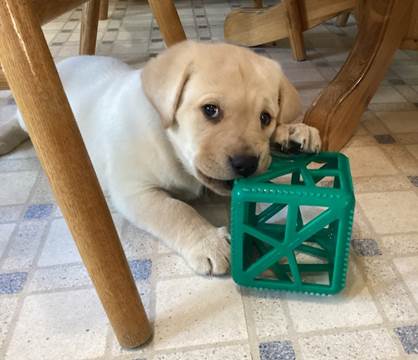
244,165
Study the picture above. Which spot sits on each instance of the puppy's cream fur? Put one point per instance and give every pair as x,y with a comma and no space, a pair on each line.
151,144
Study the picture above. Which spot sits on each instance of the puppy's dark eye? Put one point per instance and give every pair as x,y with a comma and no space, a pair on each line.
212,112
265,119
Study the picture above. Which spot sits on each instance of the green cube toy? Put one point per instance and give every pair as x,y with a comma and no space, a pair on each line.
291,226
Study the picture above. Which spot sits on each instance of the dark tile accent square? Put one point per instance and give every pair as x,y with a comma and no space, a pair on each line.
205,38
200,16
38,211
112,30
408,335
56,43
107,42
385,139
413,180
203,26
277,350
366,247
396,82
66,30
141,269
156,40
12,283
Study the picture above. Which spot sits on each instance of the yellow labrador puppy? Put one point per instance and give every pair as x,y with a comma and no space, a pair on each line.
196,115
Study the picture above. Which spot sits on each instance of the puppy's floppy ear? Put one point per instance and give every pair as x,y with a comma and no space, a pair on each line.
165,77
290,106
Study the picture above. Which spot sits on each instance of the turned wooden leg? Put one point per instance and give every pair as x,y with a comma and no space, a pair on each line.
343,18
3,82
33,78
337,110
295,29
104,9
258,3
89,24
168,20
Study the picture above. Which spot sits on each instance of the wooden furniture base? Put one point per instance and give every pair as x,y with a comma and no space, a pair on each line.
34,81
254,27
104,9
337,110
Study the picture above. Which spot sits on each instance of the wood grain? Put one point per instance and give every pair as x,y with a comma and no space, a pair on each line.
89,25
295,29
35,84
342,18
411,38
337,110
104,9
168,20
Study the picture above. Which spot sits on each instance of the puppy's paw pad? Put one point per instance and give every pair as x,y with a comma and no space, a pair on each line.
210,256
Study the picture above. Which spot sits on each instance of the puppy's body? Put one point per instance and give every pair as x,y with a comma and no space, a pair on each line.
197,115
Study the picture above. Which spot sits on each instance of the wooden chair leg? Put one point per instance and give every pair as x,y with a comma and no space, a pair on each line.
104,9
168,20
342,18
89,25
258,4
337,110
295,29
33,78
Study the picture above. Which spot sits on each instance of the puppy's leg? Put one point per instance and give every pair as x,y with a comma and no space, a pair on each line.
205,247
306,137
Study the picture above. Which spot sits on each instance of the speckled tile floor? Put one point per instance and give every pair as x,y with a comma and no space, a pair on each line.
48,308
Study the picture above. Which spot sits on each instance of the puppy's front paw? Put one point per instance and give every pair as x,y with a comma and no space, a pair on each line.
210,255
300,137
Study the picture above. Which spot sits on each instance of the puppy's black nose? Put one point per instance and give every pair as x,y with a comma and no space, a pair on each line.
244,165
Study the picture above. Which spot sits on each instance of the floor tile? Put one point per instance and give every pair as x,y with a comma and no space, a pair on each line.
277,350
38,211
369,161
388,290
236,352
10,213
59,277
70,325
267,310
413,149
12,283
16,186
366,247
402,244
59,247
8,307
24,247
5,233
408,336
183,319
136,242
171,265
360,345
400,121
381,183
402,159
391,211
387,94
319,313
408,267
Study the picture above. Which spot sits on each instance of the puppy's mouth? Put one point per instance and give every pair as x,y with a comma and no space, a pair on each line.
219,186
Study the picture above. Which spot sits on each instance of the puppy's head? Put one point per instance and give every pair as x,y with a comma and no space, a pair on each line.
220,105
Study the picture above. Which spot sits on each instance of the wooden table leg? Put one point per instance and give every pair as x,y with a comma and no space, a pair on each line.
168,20
343,18
295,29
89,25
34,81
337,110
104,9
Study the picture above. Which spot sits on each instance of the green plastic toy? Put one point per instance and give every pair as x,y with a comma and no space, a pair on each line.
291,226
